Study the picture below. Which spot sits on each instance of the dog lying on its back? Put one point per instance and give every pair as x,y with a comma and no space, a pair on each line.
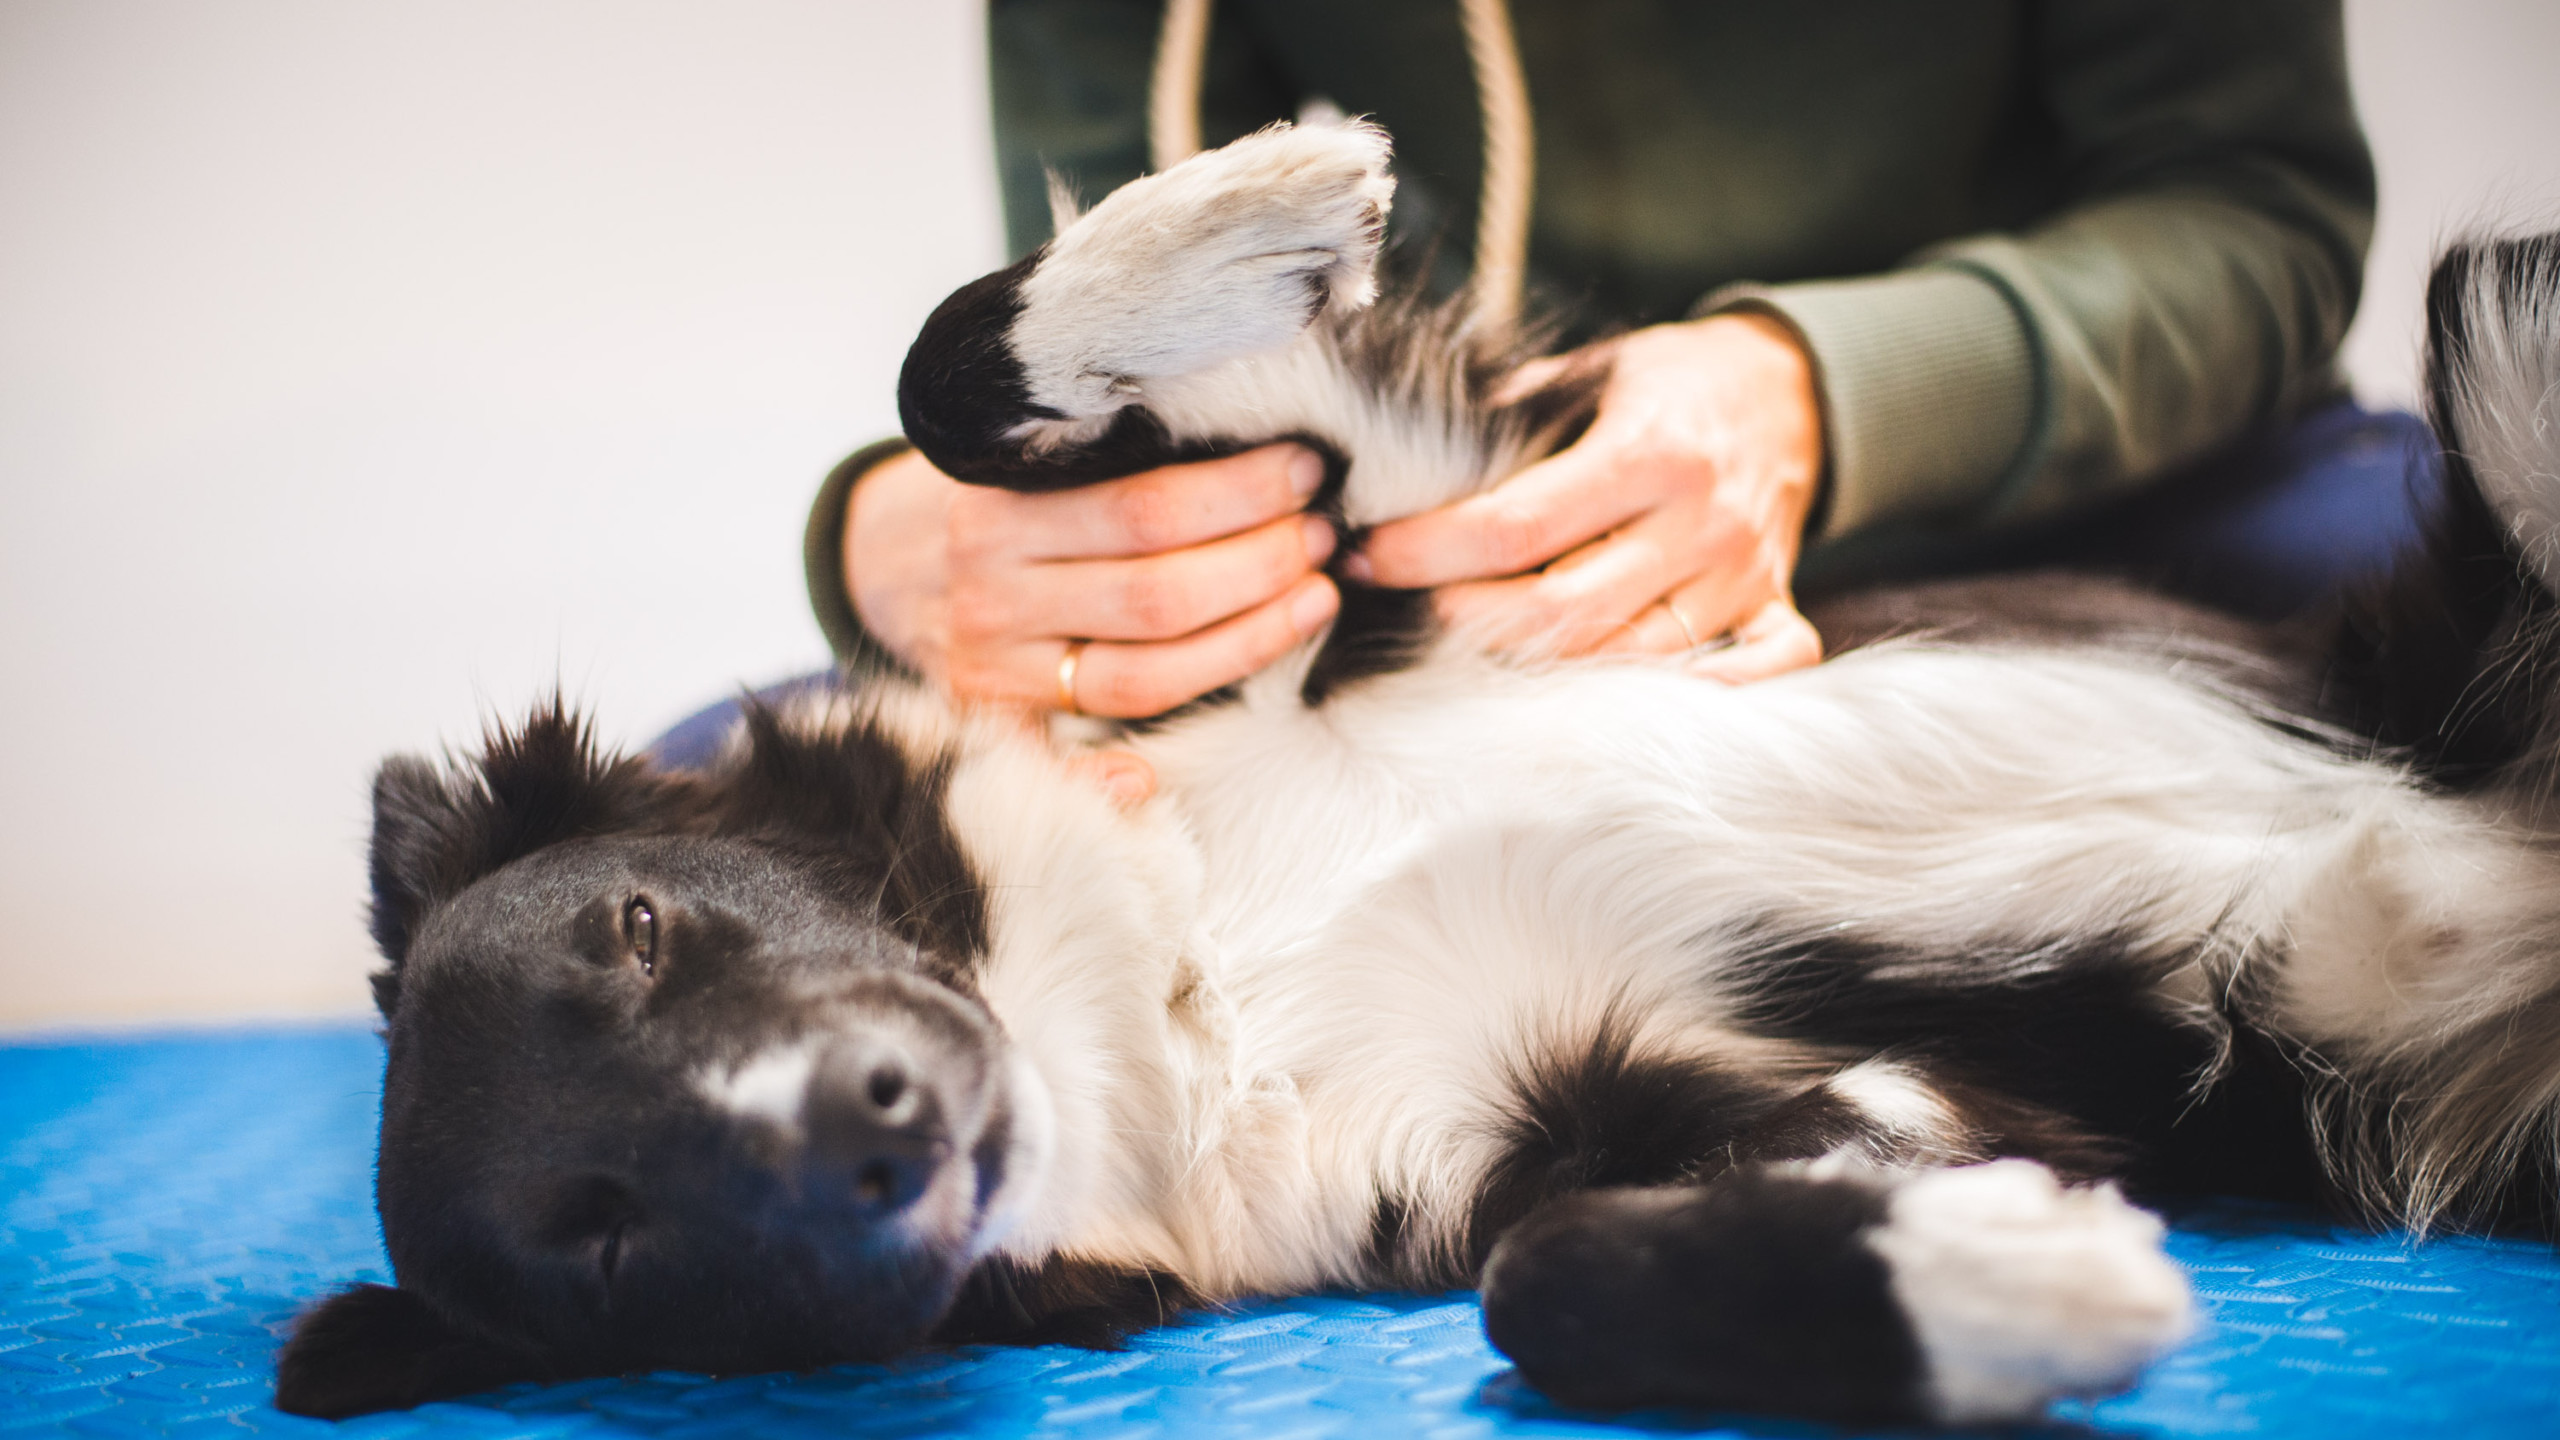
1760,1048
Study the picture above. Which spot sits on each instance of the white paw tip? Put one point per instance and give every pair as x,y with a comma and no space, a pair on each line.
1231,253
2022,1291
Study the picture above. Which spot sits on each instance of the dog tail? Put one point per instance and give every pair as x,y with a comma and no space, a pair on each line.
2452,662
2453,658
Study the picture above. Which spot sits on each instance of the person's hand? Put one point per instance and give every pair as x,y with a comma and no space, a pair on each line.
1183,579
1674,521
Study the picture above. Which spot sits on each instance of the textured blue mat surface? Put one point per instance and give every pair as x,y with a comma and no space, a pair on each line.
167,1204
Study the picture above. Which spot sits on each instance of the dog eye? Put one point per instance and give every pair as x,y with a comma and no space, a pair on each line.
640,927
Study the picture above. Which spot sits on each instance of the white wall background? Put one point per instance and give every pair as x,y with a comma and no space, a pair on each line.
366,368
2461,101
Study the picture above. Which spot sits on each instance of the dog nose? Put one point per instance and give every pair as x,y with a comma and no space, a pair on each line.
873,1117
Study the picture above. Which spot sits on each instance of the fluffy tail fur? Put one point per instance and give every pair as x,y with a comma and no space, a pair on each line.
2455,662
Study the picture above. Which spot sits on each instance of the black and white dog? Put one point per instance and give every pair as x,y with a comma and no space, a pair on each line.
1767,1048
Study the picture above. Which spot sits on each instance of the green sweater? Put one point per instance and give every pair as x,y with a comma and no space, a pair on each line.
2040,252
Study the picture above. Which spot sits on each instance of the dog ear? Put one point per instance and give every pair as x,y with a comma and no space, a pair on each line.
372,1347
437,830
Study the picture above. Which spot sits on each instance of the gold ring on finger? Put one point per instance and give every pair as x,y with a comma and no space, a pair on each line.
1688,631
1067,676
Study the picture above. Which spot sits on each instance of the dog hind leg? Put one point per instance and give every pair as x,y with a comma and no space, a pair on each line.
1037,377
1837,1291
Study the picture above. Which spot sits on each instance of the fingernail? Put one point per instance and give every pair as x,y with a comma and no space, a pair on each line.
1357,566
1306,472
1319,535
1312,608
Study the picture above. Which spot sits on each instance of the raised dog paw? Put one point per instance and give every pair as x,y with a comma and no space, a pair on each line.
1230,253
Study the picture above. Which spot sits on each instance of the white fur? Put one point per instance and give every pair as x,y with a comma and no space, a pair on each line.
1188,292
2020,1290
2506,398
1207,262
771,1085
1912,1123
1295,982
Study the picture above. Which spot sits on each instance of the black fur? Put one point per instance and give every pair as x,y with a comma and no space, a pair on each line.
538,785
961,392
1061,1301
2077,1035
555,1196
1601,1112
373,1347
1754,1292
854,801
1376,632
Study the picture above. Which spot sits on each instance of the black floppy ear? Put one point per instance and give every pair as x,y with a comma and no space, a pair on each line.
376,1348
435,830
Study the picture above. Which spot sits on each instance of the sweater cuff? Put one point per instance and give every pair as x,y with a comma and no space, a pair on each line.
822,559
1928,385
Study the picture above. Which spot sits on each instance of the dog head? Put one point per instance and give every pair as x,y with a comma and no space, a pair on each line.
683,1071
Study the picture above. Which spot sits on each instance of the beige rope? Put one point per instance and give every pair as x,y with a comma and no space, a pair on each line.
1173,92
1510,167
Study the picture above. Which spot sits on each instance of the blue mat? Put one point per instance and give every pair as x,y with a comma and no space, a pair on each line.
167,1204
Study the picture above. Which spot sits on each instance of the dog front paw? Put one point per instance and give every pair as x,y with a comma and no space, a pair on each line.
1230,253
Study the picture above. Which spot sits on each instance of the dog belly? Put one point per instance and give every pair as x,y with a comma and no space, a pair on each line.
1414,891
1937,799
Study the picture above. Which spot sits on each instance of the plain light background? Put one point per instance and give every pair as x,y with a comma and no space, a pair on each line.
368,369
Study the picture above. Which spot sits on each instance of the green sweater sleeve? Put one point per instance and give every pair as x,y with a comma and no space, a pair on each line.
2196,282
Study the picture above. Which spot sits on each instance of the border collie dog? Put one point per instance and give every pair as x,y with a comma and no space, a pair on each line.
1776,1048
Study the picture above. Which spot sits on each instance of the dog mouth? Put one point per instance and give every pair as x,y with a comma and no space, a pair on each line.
1013,1155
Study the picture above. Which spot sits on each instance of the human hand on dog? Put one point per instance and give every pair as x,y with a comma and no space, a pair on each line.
1182,579
1675,519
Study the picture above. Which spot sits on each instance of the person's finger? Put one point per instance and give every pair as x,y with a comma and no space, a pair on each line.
1154,597
1169,508
1658,630
1773,641
1125,682
1588,597
1528,378
1489,613
1532,376
1734,577
1525,521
